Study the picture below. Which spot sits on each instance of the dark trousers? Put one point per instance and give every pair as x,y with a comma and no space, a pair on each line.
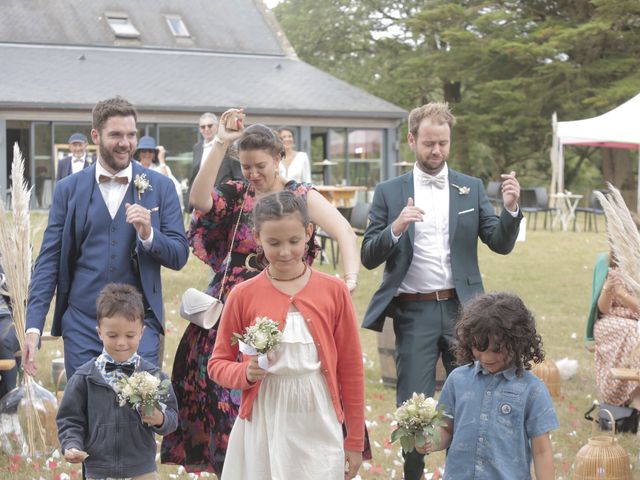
424,331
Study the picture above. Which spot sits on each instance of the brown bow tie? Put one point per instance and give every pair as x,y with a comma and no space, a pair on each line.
109,178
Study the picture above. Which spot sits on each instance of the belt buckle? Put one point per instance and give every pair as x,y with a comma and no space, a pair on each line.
247,265
437,292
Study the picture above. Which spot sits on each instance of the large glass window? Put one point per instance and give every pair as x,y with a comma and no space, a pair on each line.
337,155
364,157
43,163
178,141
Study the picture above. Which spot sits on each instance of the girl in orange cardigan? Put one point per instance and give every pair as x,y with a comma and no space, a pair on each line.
291,415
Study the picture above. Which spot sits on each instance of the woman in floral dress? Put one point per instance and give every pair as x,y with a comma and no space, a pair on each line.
221,222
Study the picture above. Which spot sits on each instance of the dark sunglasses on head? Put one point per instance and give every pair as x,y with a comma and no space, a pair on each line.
210,125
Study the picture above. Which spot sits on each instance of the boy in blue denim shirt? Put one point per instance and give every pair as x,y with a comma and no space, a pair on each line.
501,413
113,442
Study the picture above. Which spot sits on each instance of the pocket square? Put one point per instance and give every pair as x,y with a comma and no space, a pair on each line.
466,211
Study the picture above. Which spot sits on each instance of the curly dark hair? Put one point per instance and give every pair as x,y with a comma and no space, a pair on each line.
500,320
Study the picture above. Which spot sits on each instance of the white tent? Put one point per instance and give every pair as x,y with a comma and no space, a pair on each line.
618,128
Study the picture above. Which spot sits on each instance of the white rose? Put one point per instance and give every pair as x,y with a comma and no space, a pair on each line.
260,340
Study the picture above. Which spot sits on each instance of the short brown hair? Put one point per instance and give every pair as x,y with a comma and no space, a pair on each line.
120,299
112,107
437,112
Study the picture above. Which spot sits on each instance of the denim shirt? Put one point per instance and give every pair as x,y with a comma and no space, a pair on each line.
495,416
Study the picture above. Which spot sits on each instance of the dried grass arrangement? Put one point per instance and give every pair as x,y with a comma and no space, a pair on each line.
27,414
623,236
602,458
548,372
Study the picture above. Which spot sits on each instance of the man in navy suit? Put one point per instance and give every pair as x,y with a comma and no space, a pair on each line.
115,221
229,169
425,225
79,158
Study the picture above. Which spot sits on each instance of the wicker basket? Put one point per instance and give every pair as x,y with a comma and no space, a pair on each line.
602,458
548,372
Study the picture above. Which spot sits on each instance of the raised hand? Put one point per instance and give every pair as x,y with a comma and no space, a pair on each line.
140,218
510,190
229,136
409,214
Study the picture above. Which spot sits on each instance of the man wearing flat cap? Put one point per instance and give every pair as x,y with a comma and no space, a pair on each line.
78,159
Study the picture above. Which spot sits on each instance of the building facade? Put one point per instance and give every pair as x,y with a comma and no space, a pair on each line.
175,59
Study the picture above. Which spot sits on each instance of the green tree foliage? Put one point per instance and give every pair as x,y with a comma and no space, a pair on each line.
504,65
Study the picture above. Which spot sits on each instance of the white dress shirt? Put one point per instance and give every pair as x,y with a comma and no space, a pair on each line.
77,164
430,269
113,193
206,148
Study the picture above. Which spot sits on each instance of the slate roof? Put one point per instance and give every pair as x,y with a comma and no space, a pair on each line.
165,80
62,54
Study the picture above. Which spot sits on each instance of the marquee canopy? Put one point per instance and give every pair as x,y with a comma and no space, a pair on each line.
618,128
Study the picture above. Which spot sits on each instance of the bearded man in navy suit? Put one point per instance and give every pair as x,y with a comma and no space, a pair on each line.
425,225
115,221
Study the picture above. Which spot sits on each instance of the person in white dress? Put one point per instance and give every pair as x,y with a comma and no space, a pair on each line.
294,164
291,413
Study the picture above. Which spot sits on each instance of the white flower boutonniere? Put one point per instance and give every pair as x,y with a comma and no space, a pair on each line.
462,190
89,160
142,184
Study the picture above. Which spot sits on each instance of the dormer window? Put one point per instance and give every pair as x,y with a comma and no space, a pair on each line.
177,26
121,25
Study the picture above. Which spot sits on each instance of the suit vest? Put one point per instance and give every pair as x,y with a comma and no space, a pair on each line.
106,252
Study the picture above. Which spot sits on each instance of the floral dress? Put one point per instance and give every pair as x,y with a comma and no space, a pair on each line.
617,345
207,411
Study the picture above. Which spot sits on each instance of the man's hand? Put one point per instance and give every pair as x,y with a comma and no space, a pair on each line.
140,218
353,461
510,191
30,350
408,215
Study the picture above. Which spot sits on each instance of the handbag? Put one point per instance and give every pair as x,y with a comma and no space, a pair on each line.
200,308
626,418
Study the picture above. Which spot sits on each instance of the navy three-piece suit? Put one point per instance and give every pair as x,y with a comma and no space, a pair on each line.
83,249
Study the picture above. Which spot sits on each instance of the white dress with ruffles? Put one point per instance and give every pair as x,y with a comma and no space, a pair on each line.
293,431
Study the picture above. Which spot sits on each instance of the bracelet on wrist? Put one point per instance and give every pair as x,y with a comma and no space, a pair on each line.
217,139
351,275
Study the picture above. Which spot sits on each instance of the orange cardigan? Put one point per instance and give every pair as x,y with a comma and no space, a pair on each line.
326,305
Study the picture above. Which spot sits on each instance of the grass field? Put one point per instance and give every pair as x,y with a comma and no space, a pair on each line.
551,271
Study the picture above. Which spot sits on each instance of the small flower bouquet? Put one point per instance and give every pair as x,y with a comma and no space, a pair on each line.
259,339
143,391
142,184
416,419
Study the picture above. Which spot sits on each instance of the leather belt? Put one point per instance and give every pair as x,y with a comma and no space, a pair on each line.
438,296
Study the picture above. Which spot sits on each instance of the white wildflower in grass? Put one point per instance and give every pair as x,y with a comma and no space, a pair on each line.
142,391
416,419
264,336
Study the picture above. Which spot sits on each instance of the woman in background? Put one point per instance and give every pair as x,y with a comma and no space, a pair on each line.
294,164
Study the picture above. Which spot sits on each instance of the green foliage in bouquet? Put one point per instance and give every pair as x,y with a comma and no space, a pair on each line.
142,391
264,335
416,419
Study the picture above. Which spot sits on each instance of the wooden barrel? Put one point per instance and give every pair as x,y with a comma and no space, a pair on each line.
386,351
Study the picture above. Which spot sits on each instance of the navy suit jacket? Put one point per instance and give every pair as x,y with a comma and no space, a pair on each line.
229,170
64,165
55,265
471,216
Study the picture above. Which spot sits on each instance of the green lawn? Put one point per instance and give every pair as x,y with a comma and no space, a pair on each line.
551,271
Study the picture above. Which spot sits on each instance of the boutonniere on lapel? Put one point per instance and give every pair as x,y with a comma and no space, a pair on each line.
462,190
89,160
142,184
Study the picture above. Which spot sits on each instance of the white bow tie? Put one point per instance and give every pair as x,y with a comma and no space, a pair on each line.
438,181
